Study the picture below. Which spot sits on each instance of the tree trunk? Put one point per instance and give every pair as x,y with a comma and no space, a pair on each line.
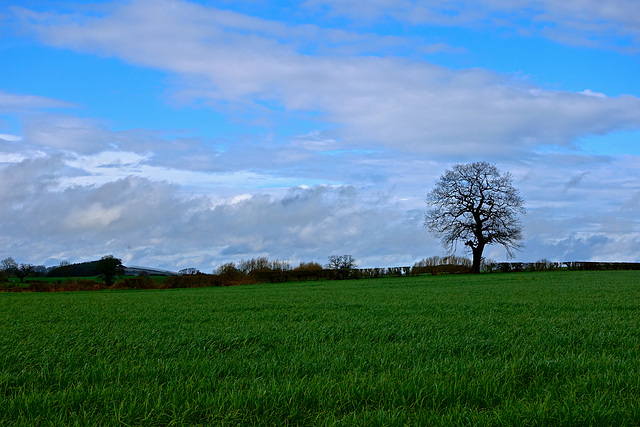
477,259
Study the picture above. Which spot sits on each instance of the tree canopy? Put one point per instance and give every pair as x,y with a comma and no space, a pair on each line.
110,267
476,205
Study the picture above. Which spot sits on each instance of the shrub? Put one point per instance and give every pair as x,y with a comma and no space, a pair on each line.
138,282
230,275
428,262
489,265
261,270
308,271
447,265
372,273
69,285
543,265
195,281
394,271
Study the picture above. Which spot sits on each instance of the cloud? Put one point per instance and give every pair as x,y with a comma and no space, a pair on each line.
589,92
154,222
10,138
92,217
23,181
367,101
148,221
581,208
12,103
66,133
94,155
591,247
611,24
575,180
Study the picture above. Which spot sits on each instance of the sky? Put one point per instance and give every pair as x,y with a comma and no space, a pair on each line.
176,134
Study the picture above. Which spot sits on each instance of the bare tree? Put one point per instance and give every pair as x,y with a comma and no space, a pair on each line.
253,264
24,270
477,205
9,265
341,262
342,265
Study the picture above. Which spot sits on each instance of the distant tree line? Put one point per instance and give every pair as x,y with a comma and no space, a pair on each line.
87,269
545,265
108,272
108,268
9,267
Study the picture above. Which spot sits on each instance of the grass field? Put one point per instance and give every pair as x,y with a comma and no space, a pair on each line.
554,349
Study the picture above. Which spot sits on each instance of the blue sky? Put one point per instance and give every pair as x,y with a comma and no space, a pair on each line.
182,134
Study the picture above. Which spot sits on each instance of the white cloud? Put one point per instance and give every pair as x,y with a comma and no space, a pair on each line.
10,138
92,217
370,101
582,208
589,92
12,103
613,23
66,133
147,221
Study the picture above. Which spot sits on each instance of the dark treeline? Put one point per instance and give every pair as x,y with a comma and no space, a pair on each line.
543,265
603,265
263,270
82,269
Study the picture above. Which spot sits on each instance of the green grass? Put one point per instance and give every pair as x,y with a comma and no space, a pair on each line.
552,349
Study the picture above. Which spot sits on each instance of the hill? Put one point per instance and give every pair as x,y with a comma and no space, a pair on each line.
91,268
82,269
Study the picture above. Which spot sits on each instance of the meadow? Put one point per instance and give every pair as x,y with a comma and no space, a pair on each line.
529,349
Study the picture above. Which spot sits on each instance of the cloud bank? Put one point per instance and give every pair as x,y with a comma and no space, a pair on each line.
364,124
